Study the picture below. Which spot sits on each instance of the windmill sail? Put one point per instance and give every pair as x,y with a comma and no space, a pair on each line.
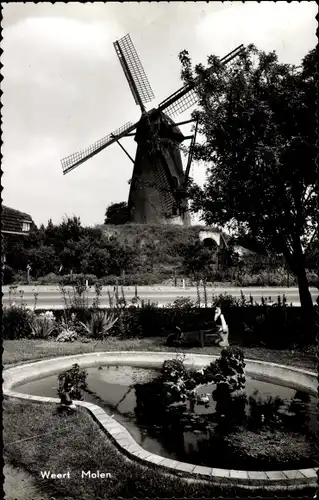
133,70
72,161
178,102
185,97
157,192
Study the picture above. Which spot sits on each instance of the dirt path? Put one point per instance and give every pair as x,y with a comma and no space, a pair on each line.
19,485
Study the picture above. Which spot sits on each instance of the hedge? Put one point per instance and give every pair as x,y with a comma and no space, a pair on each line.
276,327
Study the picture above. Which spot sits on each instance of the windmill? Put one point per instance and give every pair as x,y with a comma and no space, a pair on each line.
158,187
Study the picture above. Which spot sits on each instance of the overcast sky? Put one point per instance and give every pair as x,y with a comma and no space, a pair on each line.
64,88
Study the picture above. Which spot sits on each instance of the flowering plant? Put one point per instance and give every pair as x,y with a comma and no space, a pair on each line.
67,335
42,325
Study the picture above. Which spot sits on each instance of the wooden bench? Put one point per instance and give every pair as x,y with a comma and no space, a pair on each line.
198,337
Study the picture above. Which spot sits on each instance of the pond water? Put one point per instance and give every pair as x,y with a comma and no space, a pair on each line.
110,387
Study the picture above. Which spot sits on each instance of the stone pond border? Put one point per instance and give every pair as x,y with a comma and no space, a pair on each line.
285,375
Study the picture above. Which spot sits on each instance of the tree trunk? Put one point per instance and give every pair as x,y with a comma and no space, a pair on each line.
296,263
308,311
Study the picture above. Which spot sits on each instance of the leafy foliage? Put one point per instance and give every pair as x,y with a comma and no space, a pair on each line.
67,335
239,435
133,253
42,325
71,383
15,322
117,213
69,248
129,254
264,411
198,261
175,386
258,120
7,275
100,324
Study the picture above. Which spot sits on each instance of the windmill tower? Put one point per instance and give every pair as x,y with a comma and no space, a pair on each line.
158,188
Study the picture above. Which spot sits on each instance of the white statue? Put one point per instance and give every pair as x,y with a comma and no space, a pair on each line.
222,328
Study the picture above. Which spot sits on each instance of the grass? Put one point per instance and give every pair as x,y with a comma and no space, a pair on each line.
23,350
36,438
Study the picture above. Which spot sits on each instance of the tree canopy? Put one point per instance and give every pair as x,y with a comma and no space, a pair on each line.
67,247
258,120
117,213
199,261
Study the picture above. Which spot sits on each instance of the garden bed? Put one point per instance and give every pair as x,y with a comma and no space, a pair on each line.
249,324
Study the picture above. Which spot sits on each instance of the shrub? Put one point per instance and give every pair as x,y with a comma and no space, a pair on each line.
141,279
49,279
225,301
67,335
264,410
20,277
74,298
184,303
71,383
313,278
7,275
69,323
15,322
100,324
265,277
42,325
73,279
276,327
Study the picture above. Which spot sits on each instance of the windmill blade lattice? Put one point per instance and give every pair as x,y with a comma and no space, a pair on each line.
183,101
186,97
70,162
133,70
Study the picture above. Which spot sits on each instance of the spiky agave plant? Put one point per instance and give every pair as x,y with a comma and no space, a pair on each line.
42,325
100,324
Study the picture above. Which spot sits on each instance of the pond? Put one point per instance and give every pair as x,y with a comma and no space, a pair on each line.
112,388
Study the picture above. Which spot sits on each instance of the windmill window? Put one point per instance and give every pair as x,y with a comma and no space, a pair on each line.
25,226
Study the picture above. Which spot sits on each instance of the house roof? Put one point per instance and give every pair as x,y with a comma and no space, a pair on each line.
12,220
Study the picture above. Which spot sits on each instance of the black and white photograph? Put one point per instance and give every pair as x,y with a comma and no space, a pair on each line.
160,250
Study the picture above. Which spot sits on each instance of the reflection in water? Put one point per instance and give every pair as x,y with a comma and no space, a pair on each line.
122,392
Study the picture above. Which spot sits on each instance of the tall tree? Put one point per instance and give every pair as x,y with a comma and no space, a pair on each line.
258,120
124,257
199,261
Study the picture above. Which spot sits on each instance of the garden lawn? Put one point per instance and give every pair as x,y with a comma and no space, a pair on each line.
37,439
23,350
